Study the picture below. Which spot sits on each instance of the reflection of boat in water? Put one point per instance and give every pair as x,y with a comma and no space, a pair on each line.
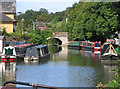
90,54
85,53
36,52
7,71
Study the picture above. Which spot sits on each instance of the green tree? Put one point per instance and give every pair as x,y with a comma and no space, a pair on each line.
43,10
92,20
43,17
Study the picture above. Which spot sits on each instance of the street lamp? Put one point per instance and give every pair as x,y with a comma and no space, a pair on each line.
33,25
22,26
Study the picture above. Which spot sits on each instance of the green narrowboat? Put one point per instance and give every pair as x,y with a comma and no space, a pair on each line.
74,44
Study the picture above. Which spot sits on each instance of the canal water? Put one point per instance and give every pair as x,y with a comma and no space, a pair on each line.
63,68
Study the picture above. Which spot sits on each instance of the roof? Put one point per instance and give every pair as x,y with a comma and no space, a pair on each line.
8,6
40,46
4,18
23,45
11,47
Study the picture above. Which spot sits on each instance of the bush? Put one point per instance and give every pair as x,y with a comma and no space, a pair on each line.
115,83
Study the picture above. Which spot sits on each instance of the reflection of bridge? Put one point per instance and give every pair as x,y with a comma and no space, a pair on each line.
61,55
62,37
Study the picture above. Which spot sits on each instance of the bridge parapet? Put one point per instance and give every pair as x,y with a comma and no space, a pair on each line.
60,34
63,36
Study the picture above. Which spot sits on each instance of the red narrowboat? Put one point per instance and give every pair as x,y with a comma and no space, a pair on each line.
93,46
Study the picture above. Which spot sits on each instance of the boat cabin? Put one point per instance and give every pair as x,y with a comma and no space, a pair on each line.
36,52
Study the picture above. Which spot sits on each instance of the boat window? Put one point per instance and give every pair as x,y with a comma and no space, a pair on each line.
38,50
89,44
97,44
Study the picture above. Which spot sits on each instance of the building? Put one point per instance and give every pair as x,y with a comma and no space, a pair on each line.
7,15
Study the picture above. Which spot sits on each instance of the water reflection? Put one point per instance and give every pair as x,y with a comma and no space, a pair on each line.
84,58
64,68
109,67
7,72
62,55
54,49
39,62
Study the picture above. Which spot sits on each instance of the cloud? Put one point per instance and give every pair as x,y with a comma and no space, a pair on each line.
47,0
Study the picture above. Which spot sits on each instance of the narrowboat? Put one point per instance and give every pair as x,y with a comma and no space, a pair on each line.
109,51
92,46
21,49
36,52
8,55
74,44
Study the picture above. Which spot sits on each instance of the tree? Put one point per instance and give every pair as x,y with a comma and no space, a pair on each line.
43,10
93,21
43,17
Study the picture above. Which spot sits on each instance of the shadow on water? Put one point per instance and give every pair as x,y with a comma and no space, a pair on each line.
54,49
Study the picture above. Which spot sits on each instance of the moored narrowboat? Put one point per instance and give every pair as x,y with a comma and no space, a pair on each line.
21,49
8,55
109,51
74,44
92,46
36,52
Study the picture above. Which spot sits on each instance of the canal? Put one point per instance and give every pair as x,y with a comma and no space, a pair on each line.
63,68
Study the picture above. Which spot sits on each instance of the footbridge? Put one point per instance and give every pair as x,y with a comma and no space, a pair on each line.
62,37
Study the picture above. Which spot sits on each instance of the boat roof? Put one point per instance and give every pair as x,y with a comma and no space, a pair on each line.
23,45
40,46
9,47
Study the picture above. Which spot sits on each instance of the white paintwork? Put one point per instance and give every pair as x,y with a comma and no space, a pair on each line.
113,54
97,52
12,56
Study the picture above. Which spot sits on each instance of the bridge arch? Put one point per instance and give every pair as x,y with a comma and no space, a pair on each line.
61,37
59,42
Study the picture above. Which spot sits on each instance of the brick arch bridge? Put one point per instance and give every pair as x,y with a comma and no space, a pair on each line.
62,37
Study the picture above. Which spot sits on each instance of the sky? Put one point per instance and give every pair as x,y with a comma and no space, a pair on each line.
50,5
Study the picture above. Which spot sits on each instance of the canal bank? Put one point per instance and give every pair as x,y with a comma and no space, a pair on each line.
65,68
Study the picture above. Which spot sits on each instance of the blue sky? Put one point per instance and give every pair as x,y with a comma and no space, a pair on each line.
50,5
